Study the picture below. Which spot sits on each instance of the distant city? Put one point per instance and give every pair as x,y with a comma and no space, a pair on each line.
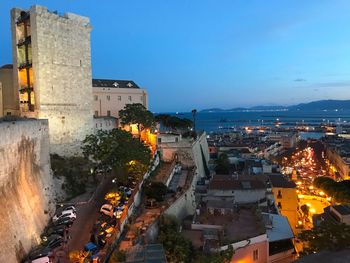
89,174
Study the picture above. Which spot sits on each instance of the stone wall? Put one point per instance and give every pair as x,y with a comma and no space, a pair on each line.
61,61
25,186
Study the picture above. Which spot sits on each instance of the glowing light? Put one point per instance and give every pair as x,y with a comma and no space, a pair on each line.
321,193
312,210
300,222
308,204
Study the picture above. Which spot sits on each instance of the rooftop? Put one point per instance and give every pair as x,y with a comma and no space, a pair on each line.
277,227
112,83
279,180
232,184
240,225
342,209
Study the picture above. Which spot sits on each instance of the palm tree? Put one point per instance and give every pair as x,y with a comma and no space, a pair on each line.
194,112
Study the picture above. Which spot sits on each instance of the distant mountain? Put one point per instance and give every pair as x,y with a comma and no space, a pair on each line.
314,105
323,105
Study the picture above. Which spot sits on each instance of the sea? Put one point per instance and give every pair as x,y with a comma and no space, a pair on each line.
229,120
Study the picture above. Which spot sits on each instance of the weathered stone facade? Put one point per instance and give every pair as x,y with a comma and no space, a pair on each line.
59,57
26,186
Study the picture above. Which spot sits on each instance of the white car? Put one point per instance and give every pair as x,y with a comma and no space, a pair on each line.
66,213
107,209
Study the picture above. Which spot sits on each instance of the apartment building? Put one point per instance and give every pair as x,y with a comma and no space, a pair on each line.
110,96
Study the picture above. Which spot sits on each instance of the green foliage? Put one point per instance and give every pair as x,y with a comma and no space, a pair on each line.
218,257
223,164
137,114
115,148
174,122
136,170
327,236
155,190
75,170
339,191
177,248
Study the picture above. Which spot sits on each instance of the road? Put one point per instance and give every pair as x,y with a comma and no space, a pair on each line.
87,214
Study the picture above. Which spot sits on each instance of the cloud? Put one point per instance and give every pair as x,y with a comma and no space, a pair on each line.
299,80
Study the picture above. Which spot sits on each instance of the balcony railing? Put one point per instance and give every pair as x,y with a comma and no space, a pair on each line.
24,41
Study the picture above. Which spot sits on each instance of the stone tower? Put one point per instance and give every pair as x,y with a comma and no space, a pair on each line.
52,69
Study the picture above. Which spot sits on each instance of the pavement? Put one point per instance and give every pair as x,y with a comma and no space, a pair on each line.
87,214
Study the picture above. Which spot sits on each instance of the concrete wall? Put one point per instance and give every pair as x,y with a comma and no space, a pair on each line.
25,186
10,103
61,59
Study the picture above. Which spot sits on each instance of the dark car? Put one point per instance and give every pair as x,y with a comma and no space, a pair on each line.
39,252
65,221
58,230
53,241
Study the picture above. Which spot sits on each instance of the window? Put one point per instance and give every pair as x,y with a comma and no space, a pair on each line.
255,255
95,97
96,113
119,98
108,97
279,195
108,113
279,205
129,98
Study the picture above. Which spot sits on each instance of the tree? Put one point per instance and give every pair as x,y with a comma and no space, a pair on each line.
194,113
177,248
156,190
222,164
327,236
137,114
115,148
174,122
305,210
339,191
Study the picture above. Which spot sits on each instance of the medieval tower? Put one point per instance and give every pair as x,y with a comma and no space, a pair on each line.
52,71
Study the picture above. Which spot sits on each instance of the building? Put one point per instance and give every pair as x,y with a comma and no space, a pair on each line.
52,73
339,214
239,191
105,123
9,104
110,96
286,198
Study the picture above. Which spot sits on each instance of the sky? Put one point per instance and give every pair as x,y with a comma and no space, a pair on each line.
214,53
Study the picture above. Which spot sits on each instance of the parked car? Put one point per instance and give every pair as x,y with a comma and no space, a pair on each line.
58,230
65,221
67,213
53,241
107,209
44,259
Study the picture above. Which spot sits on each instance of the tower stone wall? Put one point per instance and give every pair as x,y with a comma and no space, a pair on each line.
60,57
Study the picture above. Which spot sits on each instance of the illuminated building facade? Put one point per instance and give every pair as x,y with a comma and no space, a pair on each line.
111,96
52,65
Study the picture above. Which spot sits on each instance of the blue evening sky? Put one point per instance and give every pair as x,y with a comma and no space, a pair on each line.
214,53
